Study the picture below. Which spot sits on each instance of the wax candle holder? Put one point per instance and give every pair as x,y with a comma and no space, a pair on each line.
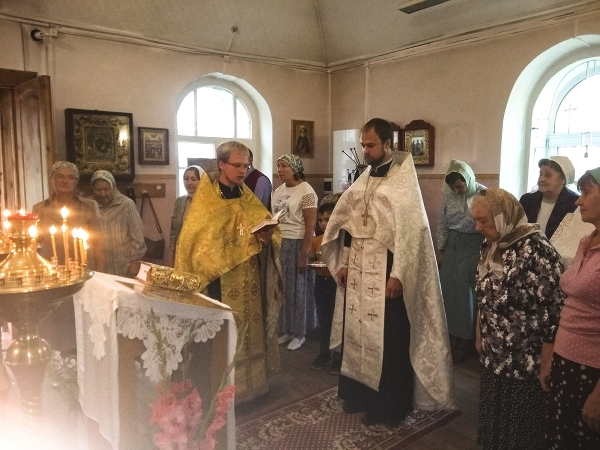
30,289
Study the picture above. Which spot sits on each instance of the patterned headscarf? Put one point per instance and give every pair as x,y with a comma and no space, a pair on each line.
511,224
294,162
467,173
104,175
62,164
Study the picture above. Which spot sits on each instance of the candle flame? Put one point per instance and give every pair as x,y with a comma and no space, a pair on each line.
75,233
33,231
52,230
83,235
6,224
6,213
63,228
64,212
21,212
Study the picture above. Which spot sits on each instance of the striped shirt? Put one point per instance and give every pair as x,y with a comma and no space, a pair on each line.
123,234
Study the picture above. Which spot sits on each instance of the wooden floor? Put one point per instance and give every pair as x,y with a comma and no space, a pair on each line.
297,381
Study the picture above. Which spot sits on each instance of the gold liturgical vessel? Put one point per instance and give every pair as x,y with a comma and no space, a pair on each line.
30,289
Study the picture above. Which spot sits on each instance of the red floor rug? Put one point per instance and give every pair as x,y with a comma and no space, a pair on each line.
320,423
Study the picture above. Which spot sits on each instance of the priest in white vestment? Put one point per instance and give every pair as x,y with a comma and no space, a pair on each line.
390,318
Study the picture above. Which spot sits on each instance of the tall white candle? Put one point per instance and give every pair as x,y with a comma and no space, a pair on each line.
52,232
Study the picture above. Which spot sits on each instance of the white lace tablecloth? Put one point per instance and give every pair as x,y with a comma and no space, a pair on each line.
103,308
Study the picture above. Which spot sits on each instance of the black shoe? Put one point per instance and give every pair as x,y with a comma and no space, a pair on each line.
320,361
352,408
369,419
336,365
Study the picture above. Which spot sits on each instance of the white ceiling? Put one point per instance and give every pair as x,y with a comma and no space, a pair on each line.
319,33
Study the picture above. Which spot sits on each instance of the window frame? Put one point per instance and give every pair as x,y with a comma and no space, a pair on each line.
557,143
238,94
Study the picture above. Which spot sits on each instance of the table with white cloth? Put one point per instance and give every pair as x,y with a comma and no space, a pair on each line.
110,317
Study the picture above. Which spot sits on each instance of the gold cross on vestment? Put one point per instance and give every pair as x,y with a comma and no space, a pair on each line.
240,228
352,309
353,284
365,216
372,314
373,261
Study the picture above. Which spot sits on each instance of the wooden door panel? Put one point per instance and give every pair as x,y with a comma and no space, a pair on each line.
34,139
8,164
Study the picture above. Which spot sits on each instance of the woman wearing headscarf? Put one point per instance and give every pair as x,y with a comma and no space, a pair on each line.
553,200
122,229
191,178
459,243
574,382
519,303
297,225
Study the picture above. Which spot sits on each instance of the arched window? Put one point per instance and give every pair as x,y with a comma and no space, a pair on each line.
566,119
208,115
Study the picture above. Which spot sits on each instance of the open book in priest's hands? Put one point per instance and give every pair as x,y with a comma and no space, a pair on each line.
267,224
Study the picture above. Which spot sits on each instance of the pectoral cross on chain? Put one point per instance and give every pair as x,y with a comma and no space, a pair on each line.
240,228
365,216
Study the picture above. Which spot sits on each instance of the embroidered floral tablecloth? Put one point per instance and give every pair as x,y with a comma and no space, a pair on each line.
105,307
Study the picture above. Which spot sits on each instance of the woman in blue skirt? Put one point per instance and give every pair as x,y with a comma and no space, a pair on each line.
459,245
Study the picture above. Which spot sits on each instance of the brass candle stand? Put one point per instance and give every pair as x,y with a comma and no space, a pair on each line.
30,289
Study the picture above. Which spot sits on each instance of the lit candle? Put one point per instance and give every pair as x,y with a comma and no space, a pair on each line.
64,212
52,232
33,231
75,234
83,236
6,213
65,244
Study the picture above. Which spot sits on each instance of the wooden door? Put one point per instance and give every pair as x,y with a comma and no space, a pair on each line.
34,139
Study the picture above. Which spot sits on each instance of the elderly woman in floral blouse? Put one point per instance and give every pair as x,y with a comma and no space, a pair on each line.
519,304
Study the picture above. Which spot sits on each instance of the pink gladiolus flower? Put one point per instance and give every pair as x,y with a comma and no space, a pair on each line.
178,413
223,399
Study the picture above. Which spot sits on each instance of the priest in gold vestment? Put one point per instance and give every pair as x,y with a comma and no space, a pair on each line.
235,266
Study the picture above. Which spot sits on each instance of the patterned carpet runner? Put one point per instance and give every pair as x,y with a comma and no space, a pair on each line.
319,423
